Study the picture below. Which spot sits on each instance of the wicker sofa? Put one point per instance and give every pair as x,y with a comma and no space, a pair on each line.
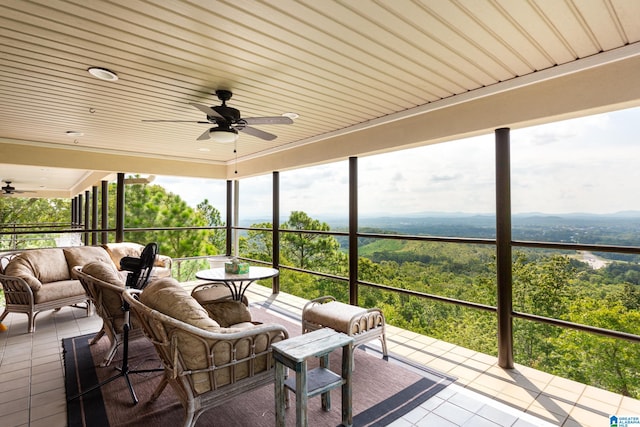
41,279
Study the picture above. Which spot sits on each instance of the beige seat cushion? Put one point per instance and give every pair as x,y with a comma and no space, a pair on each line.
57,290
335,315
83,255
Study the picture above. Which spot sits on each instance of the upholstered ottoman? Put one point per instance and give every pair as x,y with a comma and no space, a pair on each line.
361,324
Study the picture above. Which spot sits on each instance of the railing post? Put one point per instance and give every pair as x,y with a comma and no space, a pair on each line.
94,214
120,208
353,230
229,239
79,211
73,212
275,235
503,249
104,194
87,213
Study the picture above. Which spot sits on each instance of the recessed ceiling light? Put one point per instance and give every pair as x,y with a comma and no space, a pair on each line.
204,150
74,133
103,74
292,116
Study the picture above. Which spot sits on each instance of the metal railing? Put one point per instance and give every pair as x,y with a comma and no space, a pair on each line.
55,229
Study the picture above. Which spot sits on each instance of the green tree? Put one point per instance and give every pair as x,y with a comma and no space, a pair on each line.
35,212
600,361
310,250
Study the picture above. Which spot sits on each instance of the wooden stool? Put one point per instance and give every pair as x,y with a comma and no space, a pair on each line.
293,353
361,324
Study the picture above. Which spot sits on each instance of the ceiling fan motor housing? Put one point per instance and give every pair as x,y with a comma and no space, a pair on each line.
231,115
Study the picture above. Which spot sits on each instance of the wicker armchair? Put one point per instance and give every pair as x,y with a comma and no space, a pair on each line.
105,286
206,365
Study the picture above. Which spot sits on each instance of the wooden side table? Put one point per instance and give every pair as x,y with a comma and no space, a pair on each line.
293,353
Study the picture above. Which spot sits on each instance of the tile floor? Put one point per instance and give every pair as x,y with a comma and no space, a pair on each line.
32,386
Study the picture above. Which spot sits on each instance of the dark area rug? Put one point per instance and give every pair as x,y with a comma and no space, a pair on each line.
383,390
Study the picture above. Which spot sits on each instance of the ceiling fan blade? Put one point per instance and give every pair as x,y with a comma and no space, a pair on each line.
175,121
204,136
207,110
257,132
276,120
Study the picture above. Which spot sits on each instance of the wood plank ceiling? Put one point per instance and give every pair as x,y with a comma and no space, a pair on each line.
338,64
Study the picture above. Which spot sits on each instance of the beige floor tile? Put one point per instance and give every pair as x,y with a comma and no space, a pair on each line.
519,393
422,357
605,407
543,413
478,365
15,394
44,386
601,395
567,384
14,379
491,382
13,406
454,358
465,374
563,393
48,410
554,404
629,406
589,417
59,419
16,419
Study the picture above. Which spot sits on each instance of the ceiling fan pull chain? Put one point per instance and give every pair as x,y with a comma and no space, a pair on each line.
235,151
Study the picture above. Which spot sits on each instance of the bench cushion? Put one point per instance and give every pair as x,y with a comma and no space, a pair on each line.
335,315
58,290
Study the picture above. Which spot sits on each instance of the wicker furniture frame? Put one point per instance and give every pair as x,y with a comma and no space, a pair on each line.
19,297
360,323
165,332
112,321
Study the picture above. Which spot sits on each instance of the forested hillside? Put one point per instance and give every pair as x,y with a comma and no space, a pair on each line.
556,285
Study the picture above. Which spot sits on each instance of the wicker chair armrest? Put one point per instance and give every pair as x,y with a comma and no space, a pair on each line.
16,290
5,259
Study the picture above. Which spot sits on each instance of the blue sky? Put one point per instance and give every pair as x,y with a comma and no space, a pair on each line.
588,164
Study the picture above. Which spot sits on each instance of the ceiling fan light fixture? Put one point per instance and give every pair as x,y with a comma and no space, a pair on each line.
223,135
291,115
103,74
